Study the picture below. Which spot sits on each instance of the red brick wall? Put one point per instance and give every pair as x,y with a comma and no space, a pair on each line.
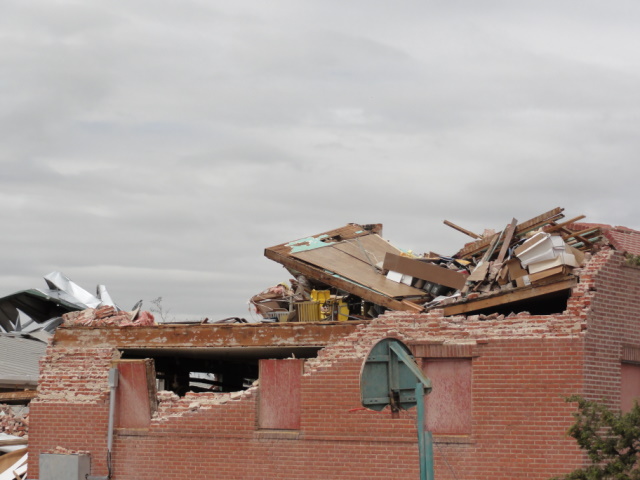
519,418
523,367
614,321
72,409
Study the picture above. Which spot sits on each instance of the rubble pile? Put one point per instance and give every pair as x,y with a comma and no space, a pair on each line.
353,273
12,422
108,316
519,256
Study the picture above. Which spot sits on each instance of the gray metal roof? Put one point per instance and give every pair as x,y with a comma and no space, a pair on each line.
19,356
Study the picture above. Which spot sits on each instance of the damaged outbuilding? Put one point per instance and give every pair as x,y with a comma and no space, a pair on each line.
500,370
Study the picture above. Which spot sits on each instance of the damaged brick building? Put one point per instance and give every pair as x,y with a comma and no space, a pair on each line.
284,398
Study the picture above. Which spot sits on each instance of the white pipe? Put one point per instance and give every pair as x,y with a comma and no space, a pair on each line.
113,384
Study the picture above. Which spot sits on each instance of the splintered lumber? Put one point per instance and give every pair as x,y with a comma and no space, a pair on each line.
460,229
480,272
474,249
511,229
524,293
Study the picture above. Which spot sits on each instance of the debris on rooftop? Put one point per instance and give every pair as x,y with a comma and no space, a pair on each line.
108,316
41,309
353,273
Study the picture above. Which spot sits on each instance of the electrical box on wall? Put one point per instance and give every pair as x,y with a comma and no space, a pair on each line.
55,466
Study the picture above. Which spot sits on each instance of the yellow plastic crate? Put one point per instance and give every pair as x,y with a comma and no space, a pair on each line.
309,311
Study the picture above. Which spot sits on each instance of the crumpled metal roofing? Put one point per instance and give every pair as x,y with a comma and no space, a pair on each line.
43,306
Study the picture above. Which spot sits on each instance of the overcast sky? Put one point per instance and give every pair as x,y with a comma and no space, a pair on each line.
158,147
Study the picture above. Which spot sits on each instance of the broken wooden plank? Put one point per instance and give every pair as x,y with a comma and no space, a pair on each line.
413,306
424,270
479,273
11,459
524,293
460,229
587,232
511,229
561,226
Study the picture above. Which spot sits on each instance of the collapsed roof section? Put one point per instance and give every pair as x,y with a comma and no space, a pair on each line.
528,266
349,259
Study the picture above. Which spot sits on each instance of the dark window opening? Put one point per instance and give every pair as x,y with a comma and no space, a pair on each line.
549,304
214,370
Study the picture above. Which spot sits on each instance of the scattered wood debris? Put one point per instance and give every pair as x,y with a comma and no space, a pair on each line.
353,273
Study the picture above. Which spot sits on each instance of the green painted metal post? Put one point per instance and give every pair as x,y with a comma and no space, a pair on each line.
425,441
428,447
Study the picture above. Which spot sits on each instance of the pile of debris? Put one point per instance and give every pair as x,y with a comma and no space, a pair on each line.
108,316
14,429
534,252
353,273
41,309
14,421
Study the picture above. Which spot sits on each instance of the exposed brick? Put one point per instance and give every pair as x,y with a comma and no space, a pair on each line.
523,366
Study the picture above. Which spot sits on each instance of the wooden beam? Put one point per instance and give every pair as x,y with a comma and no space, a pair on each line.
585,232
511,229
460,229
505,298
341,283
560,226
17,396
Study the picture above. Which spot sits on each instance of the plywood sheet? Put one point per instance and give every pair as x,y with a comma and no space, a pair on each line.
361,272
371,248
